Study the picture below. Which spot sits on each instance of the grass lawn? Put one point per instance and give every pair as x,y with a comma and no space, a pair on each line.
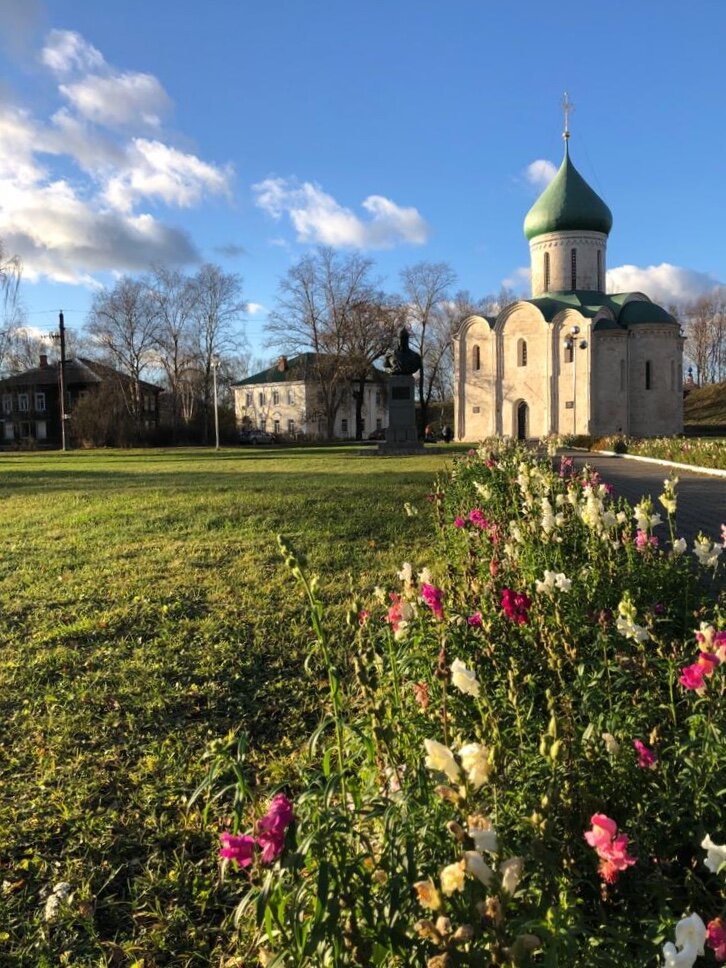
144,612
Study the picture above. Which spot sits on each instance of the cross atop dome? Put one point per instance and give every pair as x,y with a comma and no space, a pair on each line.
567,107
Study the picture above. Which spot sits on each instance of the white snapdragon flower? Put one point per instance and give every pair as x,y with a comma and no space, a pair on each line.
511,871
406,576
515,532
478,867
690,939
441,758
483,490
715,854
553,580
679,546
464,679
611,744
452,878
425,577
483,834
475,760
706,552
548,516
631,630
410,509
560,500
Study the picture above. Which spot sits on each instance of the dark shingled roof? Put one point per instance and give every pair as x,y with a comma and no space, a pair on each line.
301,368
79,370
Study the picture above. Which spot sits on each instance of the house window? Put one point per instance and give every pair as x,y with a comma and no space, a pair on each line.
378,399
476,361
261,399
344,426
291,426
290,397
248,399
546,272
40,430
599,271
647,375
7,403
276,427
521,352
275,398
23,402
263,425
379,423
363,424
573,268
40,402
9,430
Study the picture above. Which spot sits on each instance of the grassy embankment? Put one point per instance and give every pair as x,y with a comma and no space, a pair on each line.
144,612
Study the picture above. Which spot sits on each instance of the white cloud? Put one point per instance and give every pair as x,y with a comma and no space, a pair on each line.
540,173
254,309
156,170
663,283
61,236
66,51
318,218
72,225
118,100
519,280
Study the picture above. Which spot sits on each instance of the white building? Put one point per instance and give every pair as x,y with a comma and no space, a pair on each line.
573,358
286,399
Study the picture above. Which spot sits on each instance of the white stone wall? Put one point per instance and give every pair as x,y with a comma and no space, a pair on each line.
559,246
294,408
656,409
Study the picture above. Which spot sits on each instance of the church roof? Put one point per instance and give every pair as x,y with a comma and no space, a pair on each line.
568,203
626,309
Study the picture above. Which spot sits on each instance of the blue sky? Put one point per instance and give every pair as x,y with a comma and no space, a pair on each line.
245,133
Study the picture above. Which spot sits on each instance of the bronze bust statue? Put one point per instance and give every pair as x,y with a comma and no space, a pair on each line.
403,360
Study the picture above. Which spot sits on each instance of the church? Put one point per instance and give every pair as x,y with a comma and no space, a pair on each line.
573,359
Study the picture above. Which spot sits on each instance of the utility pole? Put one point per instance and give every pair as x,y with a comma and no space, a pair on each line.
215,364
62,339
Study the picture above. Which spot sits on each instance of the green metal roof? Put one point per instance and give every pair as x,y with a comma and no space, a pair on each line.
590,303
303,368
568,203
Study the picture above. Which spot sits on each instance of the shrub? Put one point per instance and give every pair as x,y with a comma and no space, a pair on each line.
525,753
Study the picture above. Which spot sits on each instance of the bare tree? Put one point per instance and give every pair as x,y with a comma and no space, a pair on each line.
173,296
218,311
123,323
370,329
13,314
321,308
426,288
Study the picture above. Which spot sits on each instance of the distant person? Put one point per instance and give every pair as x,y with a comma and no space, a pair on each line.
447,433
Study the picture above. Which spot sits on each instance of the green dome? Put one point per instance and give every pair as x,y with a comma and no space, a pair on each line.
568,203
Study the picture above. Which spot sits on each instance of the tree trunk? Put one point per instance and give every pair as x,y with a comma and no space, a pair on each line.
359,398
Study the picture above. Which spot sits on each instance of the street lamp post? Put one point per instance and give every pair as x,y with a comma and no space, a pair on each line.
61,337
215,365
571,344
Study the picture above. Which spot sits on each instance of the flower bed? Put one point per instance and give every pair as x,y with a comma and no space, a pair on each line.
699,451
521,758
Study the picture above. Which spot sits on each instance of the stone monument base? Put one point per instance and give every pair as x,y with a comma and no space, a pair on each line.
401,433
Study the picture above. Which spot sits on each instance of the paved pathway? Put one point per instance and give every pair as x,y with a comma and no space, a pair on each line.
701,499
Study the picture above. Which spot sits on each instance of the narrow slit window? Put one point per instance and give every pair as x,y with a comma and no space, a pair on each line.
573,268
522,353
546,272
648,375
622,375
568,351
600,287
476,358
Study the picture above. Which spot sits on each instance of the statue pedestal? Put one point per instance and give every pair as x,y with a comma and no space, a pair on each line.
401,434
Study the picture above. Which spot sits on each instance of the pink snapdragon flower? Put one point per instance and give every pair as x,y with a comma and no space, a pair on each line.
716,938
611,849
433,597
459,522
476,517
646,757
239,849
643,541
271,828
516,606
475,620
692,677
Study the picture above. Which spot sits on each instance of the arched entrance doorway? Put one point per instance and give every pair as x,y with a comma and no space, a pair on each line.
522,420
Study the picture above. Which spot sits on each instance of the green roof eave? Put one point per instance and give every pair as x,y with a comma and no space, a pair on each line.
625,310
